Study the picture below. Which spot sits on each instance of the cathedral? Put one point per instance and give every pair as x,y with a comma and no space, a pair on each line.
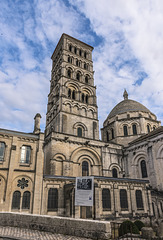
38,170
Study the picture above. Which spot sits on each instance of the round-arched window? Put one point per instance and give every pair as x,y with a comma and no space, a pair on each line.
85,168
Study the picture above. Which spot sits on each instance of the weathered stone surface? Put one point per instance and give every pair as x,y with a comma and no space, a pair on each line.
68,226
147,232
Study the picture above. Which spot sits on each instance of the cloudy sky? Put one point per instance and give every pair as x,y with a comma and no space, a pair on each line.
127,37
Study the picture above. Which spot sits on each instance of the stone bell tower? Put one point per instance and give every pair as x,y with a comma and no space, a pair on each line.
72,105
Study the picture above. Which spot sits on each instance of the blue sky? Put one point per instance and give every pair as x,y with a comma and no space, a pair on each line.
128,53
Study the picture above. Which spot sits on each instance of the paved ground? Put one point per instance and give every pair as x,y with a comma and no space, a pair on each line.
12,233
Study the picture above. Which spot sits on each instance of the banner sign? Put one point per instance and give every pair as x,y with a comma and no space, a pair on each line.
84,191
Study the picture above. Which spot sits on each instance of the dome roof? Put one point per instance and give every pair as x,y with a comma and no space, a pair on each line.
128,105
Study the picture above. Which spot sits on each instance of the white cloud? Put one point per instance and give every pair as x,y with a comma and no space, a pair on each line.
131,33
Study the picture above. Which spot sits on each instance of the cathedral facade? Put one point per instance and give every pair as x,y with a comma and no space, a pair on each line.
38,170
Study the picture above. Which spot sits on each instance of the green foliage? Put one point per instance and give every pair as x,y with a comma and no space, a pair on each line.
139,224
128,227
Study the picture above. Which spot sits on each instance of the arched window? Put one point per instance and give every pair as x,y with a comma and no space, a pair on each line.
125,131
139,199
123,199
86,79
25,154
143,169
114,173
148,128
26,200
75,50
154,127
69,60
2,151
85,54
70,48
69,93
80,52
53,199
79,132
86,98
83,97
85,168
112,133
85,66
16,200
77,62
134,129
78,76
153,207
69,73
73,94
106,199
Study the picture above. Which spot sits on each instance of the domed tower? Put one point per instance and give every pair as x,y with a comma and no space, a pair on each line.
127,121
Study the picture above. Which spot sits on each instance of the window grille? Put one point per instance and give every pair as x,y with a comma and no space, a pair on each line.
139,199
16,200
123,199
106,199
26,200
53,199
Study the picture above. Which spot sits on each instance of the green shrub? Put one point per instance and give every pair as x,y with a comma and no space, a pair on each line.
139,224
128,227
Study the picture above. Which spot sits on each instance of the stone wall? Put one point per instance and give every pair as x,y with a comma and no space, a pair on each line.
68,226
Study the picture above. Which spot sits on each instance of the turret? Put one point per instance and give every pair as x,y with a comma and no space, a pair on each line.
37,119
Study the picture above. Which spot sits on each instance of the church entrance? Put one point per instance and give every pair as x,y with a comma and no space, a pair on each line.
85,212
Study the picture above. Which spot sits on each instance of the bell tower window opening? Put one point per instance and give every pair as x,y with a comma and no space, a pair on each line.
125,130
79,132
69,93
78,76
86,79
73,94
83,97
143,169
75,50
85,168
85,54
77,62
86,98
134,129
85,66
114,173
69,73
69,59
80,52
70,48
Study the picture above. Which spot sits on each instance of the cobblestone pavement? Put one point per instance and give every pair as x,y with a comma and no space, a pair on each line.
9,233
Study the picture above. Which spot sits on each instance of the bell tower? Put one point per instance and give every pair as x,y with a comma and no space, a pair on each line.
72,105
